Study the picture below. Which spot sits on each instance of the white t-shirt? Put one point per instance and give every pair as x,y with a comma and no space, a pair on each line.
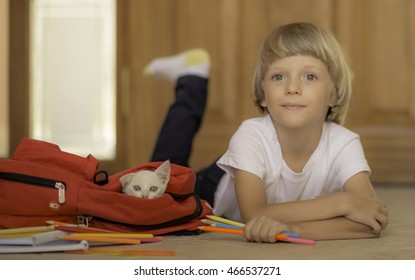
255,148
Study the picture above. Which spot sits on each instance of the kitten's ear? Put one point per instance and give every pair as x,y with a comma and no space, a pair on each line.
125,180
163,171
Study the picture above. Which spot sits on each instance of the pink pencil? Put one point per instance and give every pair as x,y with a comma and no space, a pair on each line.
300,240
281,237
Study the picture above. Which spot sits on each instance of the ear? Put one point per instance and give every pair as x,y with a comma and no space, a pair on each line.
163,171
125,180
263,103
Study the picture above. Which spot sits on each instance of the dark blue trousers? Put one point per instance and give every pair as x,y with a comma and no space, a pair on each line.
180,126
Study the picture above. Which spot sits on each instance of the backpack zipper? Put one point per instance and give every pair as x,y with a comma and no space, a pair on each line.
37,181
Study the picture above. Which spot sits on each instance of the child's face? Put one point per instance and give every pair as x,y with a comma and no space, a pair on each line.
297,91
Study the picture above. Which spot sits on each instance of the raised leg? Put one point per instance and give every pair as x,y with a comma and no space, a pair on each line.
189,71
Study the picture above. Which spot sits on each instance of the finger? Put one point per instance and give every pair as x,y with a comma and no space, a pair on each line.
384,211
382,220
268,232
376,227
260,230
251,230
247,231
381,203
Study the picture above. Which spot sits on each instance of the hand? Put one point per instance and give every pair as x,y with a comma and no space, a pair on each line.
367,210
264,229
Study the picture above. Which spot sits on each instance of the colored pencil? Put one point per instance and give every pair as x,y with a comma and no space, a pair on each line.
225,221
103,239
20,235
125,252
24,230
236,231
280,236
115,235
75,227
220,225
151,240
80,229
300,240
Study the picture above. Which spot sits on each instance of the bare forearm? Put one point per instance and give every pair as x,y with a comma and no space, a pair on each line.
300,211
336,228
357,206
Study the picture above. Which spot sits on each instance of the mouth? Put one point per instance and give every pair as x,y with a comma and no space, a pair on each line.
293,106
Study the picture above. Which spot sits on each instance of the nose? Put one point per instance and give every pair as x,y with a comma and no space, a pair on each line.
293,87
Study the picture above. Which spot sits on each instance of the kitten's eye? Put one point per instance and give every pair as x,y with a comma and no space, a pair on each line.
154,189
137,188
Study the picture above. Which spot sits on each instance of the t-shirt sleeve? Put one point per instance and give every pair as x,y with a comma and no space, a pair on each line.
245,152
350,161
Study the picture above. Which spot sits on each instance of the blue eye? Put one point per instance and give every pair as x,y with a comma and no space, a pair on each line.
310,77
277,77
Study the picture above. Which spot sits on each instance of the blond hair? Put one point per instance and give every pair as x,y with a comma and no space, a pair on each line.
307,39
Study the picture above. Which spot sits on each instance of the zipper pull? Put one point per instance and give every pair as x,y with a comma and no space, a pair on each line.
84,220
61,192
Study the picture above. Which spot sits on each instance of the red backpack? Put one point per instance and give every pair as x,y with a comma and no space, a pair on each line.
40,183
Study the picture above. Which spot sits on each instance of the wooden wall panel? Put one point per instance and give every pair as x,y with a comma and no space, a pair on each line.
150,33
378,39
4,78
18,71
391,53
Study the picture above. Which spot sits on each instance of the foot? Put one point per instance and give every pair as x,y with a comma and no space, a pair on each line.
192,62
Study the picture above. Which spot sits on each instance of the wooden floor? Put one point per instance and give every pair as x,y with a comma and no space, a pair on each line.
396,243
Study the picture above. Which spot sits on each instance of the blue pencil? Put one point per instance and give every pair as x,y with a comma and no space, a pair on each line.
234,226
291,234
222,225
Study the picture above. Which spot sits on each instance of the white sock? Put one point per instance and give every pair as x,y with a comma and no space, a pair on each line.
192,62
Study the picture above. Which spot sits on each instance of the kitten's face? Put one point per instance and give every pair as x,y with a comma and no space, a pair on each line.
146,183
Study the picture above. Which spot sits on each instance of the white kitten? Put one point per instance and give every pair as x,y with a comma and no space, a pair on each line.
146,183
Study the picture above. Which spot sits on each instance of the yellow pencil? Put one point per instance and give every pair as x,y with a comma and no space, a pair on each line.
279,236
24,230
115,235
225,221
102,239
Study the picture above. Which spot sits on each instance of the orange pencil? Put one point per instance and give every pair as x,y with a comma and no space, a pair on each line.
102,239
76,228
116,235
236,231
125,252
280,236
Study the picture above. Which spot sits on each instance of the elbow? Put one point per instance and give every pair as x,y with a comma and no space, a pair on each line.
366,232
246,216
